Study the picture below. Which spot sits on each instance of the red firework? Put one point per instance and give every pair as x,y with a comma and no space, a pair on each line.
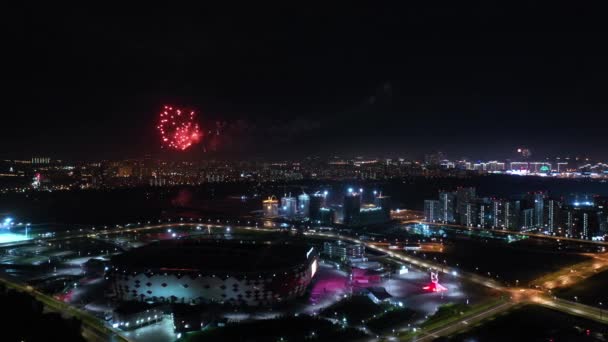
178,128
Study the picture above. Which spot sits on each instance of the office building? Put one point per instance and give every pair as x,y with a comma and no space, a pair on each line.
344,251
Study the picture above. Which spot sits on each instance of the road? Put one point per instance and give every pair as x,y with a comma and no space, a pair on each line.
517,295
509,232
464,323
92,328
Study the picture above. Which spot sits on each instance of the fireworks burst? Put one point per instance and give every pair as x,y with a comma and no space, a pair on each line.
178,129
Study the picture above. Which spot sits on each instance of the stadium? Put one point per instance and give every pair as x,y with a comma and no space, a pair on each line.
218,271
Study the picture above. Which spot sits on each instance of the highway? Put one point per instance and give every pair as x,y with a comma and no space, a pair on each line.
517,295
508,232
93,329
465,322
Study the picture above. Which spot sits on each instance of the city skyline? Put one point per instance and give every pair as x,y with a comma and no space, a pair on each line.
361,172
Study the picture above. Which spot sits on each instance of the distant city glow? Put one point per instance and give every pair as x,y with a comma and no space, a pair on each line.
7,222
6,237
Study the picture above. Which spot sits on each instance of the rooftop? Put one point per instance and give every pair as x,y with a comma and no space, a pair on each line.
213,256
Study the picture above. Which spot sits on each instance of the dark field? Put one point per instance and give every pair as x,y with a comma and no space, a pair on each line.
534,323
590,291
282,329
505,262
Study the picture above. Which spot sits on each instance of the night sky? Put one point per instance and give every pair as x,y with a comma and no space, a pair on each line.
288,81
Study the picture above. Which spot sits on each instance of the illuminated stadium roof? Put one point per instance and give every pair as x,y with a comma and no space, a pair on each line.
213,256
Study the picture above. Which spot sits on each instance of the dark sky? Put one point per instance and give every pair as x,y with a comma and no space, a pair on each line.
474,81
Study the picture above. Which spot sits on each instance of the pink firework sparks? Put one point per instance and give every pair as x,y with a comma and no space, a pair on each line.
178,128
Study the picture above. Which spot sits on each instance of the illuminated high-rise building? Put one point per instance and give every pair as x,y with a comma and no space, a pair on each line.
552,215
432,211
511,212
484,210
539,210
583,222
447,203
304,205
289,207
470,215
463,197
270,207
498,214
527,219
